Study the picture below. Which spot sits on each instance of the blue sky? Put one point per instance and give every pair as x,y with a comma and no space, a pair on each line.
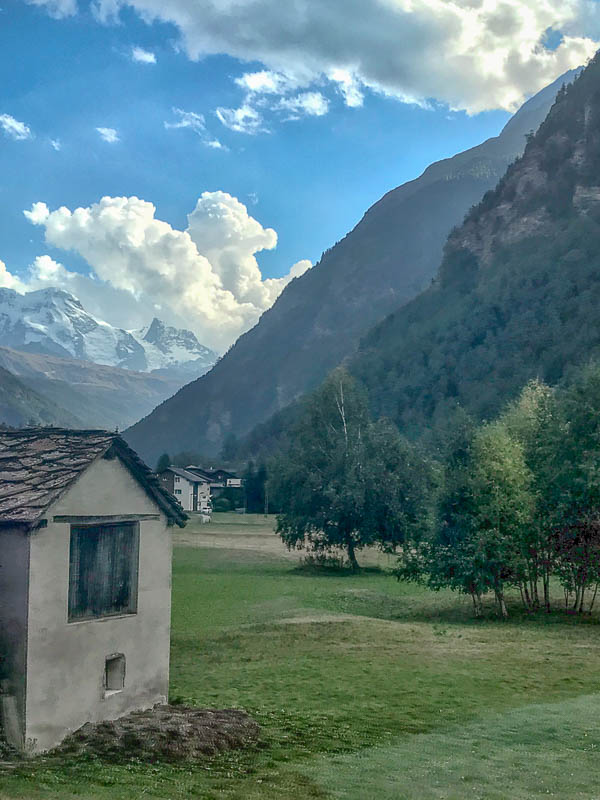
309,177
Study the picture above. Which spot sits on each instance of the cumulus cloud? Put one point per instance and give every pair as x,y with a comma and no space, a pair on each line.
470,54
206,277
348,86
13,128
266,82
9,281
109,135
313,104
272,91
143,56
244,119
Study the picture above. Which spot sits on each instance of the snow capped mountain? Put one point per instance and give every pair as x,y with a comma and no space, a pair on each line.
167,347
54,322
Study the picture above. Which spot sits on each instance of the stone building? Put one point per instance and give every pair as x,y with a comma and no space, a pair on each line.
85,583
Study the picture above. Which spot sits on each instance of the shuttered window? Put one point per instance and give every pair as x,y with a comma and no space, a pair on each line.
103,570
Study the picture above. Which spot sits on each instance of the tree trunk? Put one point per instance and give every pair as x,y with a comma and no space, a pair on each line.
477,606
581,599
352,554
500,598
546,580
593,599
525,594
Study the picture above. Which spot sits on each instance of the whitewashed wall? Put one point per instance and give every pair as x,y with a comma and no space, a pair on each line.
65,661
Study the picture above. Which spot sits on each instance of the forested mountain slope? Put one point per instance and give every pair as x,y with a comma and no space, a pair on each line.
518,291
20,405
389,257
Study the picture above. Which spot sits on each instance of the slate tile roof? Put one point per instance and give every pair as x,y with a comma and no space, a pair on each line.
38,464
192,477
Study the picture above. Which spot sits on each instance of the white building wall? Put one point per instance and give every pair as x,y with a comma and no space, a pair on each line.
66,661
204,501
186,498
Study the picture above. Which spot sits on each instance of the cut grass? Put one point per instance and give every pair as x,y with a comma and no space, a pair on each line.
537,751
348,669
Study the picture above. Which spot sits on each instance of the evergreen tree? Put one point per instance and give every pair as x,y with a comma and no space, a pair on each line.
164,462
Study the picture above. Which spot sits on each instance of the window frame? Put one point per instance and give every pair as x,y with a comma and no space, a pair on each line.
76,532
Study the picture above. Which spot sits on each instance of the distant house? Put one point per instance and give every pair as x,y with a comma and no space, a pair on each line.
218,479
85,583
190,488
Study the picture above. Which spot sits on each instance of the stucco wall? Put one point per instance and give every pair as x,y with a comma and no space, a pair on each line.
65,661
14,568
186,498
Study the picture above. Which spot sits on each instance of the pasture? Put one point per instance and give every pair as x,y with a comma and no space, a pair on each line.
364,688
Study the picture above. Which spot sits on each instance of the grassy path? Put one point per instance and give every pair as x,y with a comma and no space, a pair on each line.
364,687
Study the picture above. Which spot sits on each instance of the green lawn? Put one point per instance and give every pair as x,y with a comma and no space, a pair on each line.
364,687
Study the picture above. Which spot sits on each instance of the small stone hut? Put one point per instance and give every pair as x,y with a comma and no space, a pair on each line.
85,583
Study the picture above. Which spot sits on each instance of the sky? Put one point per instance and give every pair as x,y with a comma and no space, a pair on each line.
187,158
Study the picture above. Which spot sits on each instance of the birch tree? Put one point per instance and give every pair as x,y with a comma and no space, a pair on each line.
346,482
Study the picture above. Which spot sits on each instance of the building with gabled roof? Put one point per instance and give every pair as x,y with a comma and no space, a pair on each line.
85,582
190,488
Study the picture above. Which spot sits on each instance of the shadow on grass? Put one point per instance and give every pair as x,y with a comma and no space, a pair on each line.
336,570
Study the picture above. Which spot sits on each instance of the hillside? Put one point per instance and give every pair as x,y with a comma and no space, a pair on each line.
97,396
20,405
518,291
389,257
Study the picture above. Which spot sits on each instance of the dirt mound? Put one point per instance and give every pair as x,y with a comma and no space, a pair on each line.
165,733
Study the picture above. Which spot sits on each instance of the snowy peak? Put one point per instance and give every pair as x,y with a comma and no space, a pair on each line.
168,347
163,336
53,321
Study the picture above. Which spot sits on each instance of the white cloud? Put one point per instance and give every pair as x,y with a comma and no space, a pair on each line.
14,129
57,8
55,144
271,91
196,123
266,82
313,104
348,86
205,278
7,280
143,56
244,119
470,54
188,119
109,135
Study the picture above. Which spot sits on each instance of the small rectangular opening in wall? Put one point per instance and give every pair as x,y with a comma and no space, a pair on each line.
114,673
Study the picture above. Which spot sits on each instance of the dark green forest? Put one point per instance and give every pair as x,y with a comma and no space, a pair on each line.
518,289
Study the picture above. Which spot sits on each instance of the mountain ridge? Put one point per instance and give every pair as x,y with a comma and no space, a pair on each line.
385,261
94,395
518,287
20,405
54,322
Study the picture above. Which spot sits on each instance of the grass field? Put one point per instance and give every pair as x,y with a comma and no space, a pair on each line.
364,688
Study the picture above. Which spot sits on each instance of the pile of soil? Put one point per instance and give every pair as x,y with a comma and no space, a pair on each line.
171,733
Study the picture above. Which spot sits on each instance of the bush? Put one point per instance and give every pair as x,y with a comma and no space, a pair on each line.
222,504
